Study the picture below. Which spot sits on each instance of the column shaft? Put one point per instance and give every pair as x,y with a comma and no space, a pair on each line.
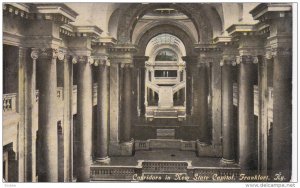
84,114
247,137
24,153
127,92
102,114
203,104
263,116
227,113
30,87
48,167
68,119
282,116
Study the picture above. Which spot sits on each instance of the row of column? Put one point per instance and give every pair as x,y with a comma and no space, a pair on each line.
48,145
282,110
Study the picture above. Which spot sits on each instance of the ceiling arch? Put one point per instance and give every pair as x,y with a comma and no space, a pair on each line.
165,29
164,22
165,41
195,12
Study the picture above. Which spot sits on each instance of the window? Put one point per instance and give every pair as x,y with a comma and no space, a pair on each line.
166,55
165,73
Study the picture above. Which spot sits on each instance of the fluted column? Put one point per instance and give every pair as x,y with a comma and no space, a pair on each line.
227,111
48,168
127,106
247,137
84,115
203,103
102,113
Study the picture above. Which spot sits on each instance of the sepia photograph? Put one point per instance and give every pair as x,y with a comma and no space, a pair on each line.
149,92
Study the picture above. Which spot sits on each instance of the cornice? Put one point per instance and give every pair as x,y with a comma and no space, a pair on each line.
55,8
265,11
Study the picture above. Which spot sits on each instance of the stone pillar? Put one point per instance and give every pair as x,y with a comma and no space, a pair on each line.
114,106
282,113
102,113
68,119
30,104
227,112
84,114
48,168
127,105
279,45
190,66
24,152
203,103
216,102
263,115
247,137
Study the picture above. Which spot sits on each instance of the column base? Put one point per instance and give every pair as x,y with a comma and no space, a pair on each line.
208,150
227,161
121,149
105,160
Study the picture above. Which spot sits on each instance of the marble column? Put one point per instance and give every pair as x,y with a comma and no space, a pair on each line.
30,103
203,103
227,112
24,150
68,119
84,115
102,114
127,106
282,113
216,101
190,66
263,115
48,168
247,137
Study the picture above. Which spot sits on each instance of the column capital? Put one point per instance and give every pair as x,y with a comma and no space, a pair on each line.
277,51
82,59
47,53
228,60
101,60
246,59
126,65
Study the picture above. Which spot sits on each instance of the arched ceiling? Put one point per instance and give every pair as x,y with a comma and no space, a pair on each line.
165,29
167,41
204,18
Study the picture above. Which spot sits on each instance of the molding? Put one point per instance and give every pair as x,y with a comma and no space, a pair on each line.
19,9
67,30
12,39
56,8
87,31
241,29
206,48
222,40
265,11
